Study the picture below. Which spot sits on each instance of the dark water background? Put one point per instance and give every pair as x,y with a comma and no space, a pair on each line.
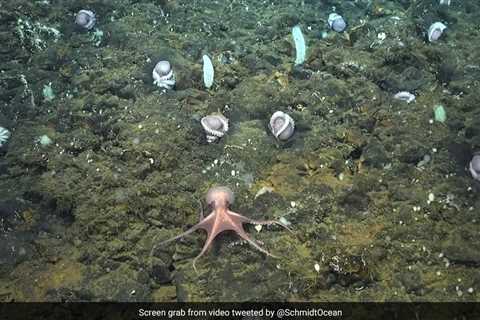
376,190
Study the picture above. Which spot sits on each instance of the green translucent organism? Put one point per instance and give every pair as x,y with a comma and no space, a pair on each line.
208,72
44,140
300,47
47,91
440,113
97,37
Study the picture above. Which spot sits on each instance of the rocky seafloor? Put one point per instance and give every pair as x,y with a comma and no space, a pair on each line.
378,194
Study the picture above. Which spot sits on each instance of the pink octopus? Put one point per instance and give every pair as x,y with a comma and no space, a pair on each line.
222,219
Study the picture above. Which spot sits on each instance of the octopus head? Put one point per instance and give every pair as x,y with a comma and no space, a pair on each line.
282,125
85,19
215,126
474,167
220,196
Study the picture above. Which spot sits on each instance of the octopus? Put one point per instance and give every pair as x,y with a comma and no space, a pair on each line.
222,219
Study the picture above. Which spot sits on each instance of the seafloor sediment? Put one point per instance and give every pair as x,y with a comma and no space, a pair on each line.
376,191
